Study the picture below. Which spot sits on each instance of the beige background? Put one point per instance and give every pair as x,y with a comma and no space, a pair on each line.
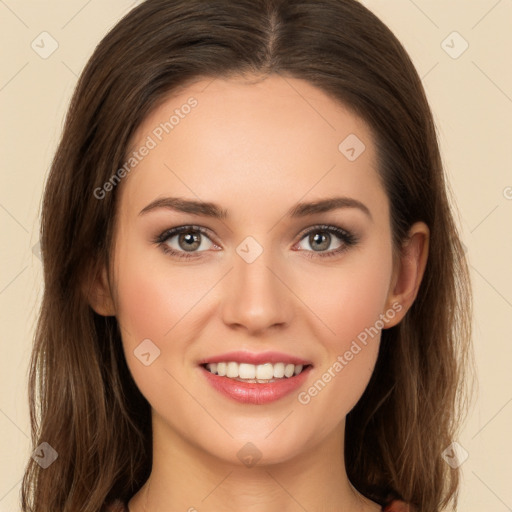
471,97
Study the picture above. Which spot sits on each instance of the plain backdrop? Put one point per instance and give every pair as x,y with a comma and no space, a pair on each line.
462,51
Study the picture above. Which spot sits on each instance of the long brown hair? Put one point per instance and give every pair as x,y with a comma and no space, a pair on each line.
83,400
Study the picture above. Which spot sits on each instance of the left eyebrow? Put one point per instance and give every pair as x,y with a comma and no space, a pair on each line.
208,209
326,205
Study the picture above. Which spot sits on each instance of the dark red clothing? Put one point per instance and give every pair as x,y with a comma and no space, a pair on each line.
397,506
394,506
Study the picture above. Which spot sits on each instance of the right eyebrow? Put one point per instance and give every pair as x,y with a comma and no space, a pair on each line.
186,206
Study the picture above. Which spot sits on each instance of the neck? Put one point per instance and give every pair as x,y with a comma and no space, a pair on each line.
186,478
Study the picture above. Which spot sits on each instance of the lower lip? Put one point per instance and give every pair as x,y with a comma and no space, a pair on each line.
254,393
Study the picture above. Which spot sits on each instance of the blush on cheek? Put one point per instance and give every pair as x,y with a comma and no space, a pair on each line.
358,328
141,312
164,306
155,298
341,380
349,306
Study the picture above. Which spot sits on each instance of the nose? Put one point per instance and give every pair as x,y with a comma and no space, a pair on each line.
256,297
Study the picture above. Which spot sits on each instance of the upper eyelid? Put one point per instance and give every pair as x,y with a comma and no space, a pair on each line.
326,227
175,231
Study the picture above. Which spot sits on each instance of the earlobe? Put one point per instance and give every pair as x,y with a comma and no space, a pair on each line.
97,291
409,270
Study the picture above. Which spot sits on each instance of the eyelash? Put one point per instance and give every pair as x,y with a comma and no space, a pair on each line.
348,239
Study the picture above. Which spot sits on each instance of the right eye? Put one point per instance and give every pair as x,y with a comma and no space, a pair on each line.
185,241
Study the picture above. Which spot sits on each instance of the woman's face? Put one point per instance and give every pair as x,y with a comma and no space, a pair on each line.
287,258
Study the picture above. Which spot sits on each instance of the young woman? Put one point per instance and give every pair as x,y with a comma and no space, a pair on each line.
255,294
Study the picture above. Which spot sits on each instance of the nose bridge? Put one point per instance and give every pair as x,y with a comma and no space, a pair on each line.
254,297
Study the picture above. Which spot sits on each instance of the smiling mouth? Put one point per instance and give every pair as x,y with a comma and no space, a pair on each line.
251,373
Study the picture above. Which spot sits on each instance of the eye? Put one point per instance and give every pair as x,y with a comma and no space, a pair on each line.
321,238
188,241
185,241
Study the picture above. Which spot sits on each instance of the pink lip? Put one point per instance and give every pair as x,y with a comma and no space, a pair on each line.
241,356
254,393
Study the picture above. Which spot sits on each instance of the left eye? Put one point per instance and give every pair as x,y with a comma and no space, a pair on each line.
320,239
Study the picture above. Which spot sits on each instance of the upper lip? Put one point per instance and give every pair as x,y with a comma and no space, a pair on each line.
241,356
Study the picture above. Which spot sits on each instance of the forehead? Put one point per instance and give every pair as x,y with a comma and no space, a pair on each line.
270,143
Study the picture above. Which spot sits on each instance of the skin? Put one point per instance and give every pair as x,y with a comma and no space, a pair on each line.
256,150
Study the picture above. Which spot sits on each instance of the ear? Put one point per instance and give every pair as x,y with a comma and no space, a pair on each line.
97,291
408,272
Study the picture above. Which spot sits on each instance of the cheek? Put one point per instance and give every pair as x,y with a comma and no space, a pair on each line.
154,297
156,303
350,301
351,297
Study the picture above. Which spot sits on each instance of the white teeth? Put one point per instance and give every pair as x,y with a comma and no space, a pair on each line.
221,369
288,370
255,373
246,371
264,371
232,370
279,370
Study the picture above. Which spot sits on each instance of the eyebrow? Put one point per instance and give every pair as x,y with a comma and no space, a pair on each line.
208,209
